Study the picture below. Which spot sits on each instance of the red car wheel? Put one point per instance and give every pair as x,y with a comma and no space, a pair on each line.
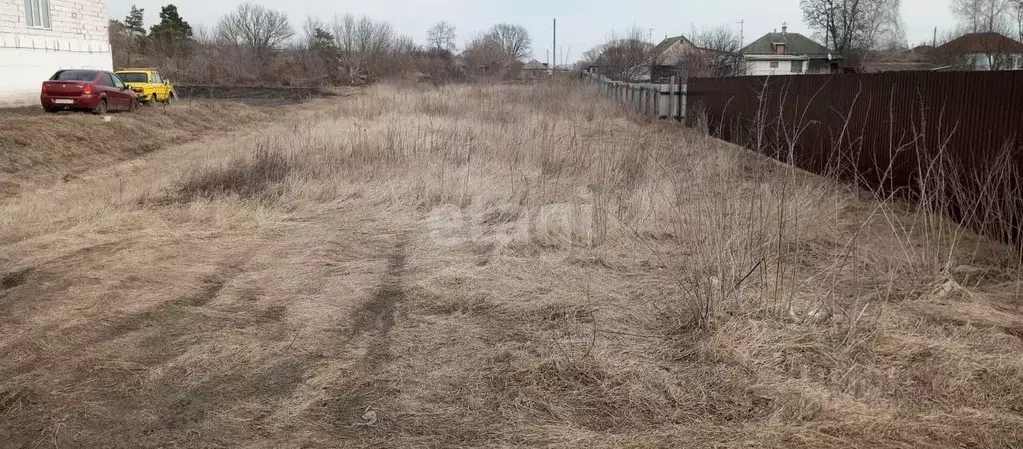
101,107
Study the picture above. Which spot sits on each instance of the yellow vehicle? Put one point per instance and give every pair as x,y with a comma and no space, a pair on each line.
148,84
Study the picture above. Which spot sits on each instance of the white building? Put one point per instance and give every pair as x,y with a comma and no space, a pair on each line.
788,54
39,37
984,51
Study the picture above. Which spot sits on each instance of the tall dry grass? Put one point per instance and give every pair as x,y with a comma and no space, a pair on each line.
37,149
504,266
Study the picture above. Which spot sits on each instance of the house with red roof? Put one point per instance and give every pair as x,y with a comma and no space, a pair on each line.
983,51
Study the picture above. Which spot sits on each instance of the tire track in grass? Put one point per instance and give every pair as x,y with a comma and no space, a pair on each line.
371,327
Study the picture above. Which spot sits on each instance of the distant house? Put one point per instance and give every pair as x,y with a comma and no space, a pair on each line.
666,55
678,52
534,70
983,51
39,37
788,54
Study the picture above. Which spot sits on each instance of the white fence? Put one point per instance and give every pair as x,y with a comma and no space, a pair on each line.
658,100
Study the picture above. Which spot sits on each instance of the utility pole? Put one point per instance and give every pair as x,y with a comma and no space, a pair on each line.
742,34
554,48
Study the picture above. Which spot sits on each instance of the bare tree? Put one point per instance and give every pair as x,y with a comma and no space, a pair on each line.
441,36
256,27
1016,10
309,30
514,39
852,24
625,57
317,51
979,16
344,30
121,43
374,42
590,56
717,53
486,56
364,46
967,13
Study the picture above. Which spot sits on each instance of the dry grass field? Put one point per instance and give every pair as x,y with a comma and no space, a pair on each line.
492,266
38,148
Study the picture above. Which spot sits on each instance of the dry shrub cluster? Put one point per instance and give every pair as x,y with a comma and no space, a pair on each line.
243,50
248,177
530,266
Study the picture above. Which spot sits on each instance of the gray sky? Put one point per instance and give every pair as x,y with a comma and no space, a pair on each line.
581,24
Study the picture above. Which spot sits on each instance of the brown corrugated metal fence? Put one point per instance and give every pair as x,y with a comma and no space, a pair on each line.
888,131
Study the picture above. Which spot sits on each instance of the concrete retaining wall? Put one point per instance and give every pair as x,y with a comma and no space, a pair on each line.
658,100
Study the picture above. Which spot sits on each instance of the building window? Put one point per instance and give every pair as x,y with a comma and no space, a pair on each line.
797,66
779,49
774,64
37,13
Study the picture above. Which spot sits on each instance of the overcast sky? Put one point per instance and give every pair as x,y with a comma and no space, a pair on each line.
581,24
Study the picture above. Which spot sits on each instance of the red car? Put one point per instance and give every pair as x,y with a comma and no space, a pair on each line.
97,91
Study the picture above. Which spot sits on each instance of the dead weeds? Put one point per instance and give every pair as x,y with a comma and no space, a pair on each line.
481,266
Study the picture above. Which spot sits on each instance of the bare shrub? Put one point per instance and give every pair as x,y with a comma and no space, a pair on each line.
486,57
257,176
625,57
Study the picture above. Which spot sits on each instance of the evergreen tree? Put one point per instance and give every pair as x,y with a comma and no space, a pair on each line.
323,43
171,26
172,34
134,22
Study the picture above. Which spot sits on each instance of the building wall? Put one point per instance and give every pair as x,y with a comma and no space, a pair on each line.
671,55
763,68
982,61
77,39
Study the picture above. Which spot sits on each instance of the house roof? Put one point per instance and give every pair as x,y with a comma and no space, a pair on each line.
661,54
795,44
982,43
534,65
666,44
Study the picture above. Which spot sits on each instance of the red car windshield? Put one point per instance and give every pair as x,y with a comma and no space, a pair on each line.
74,75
